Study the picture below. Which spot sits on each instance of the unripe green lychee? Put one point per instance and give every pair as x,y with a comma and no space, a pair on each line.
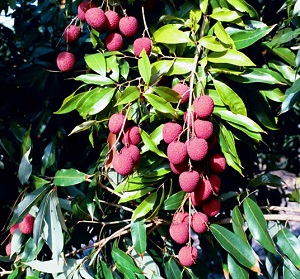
128,26
211,207
203,129
215,182
197,148
132,135
65,61
184,91
112,20
202,192
115,123
142,43
178,169
13,228
188,255
179,232
188,180
83,7
180,217
217,163
199,222
72,33
133,151
95,17
114,42
203,106
26,226
122,163
8,249
177,152
171,131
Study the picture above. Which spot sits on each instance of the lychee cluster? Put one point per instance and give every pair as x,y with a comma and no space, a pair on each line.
124,161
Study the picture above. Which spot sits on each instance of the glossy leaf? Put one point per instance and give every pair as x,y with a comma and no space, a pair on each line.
16,241
83,126
181,66
130,94
159,103
96,62
38,181
95,79
238,223
172,270
25,168
257,225
70,103
133,195
138,236
144,207
67,177
226,15
243,6
286,54
26,142
103,270
222,35
113,68
167,93
150,144
236,271
170,34
144,67
292,96
233,57
289,270
49,156
174,201
274,94
266,179
285,70
210,42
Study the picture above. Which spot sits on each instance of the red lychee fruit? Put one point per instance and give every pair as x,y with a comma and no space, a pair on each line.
197,148
95,17
203,106
83,7
132,135
13,228
211,207
192,117
188,180
72,33
142,43
26,226
8,249
123,163
65,61
177,152
178,169
112,20
184,91
212,141
217,163
180,217
115,123
171,131
203,129
202,192
179,232
128,26
215,182
133,151
199,222
188,255
114,42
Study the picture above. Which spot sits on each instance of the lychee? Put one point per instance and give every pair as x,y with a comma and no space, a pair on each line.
215,182
179,232
114,42
95,17
180,217
128,26
26,226
178,169
217,163
202,192
13,228
199,222
115,123
83,7
171,131
122,163
133,151
184,90
112,20
188,180
192,117
211,207
203,129
188,255
132,135
197,148
177,152
203,106
142,43
8,249
72,33
65,61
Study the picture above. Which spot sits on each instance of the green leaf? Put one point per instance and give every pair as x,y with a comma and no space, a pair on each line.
286,54
274,94
144,67
210,42
226,15
133,195
257,225
236,246
39,219
124,261
150,144
38,182
231,56
48,158
26,142
130,94
236,271
25,168
292,96
290,245
96,62
181,66
145,206
113,67
160,104
230,98
68,177
139,236
169,34
83,126
167,93
103,270
172,270
243,6
174,201
238,223
285,70
70,103
289,270
222,35
95,79
266,179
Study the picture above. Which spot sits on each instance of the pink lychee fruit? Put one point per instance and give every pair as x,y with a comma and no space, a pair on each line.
192,117
115,123
178,169
177,152
211,207
142,43
128,26
215,182
188,255
188,180
202,192
112,20
217,163
179,232
180,217
114,42
199,222
72,33
122,163
203,106
83,7
133,151
212,141
197,148
65,61
184,91
8,249
203,129
171,131
132,135
13,228
95,17
26,226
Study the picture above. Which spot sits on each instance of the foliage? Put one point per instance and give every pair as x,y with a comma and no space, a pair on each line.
91,222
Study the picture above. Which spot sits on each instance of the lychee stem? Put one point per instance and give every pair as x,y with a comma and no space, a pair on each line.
145,23
190,220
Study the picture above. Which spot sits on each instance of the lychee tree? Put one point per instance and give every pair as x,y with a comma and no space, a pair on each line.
170,98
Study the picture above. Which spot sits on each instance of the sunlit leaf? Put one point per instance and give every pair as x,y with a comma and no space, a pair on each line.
138,236
95,79
170,34
211,43
223,14
130,94
159,103
266,179
150,144
238,223
174,201
144,207
243,6
230,56
67,177
144,67
236,270
96,62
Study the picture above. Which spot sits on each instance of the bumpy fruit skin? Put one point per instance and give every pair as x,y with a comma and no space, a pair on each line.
211,207
132,135
115,123
13,228
72,33
180,217
128,26
202,192
65,61
179,232
203,106
178,169
133,151
112,20
217,163
199,222
142,43
95,17
123,163
183,90
203,129
197,148
177,152
171,131
83,7
8,249
188,180
188,255
26,226
114,42
215,182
